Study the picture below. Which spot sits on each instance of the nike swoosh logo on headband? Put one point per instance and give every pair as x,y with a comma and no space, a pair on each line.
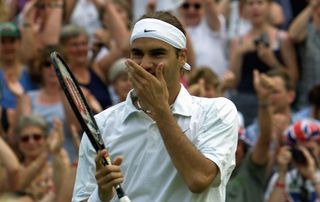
149,30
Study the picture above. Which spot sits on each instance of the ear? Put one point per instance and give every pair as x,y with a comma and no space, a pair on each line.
182,57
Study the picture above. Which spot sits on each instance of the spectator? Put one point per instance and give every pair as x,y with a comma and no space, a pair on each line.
84,14
203,82
119,78
11,68
248,180
263,48
305,29
32,132
74,40
237,16
281,99
207,31
47,100
313,109
298,176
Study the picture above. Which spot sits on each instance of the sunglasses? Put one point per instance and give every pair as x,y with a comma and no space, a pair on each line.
26,138
187,5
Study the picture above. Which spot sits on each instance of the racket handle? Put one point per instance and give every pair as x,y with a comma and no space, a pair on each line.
120,193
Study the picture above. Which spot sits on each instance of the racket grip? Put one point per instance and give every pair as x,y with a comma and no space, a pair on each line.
120,193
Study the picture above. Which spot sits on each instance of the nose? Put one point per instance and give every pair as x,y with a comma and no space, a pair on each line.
146,63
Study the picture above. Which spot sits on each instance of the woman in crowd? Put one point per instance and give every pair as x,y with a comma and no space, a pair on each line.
35,145
263,48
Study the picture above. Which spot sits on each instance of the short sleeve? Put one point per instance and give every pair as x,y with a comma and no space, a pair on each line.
85,182
218,137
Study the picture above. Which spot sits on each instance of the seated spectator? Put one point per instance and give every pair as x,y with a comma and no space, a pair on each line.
119,79
204,82
298,176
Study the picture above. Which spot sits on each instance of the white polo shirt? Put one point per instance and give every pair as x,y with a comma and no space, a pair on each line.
210,124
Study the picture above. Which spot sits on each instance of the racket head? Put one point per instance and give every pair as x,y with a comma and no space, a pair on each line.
77,100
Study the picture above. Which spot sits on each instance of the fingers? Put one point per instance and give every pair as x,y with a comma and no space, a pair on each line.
307,155
256,77
109,175
118,161
99,159
135,69
159,73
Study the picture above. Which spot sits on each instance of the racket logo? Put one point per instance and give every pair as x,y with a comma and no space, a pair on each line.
74,96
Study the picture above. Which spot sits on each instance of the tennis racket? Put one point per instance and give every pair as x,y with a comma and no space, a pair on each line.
82,111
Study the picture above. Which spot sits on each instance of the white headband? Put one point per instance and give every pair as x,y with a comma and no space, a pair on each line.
158,29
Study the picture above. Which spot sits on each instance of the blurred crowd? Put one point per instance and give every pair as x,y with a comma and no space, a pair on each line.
264,55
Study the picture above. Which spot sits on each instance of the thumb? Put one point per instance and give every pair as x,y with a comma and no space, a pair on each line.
100,159
118,160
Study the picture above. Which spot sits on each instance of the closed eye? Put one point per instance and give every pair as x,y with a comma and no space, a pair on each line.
158,53
136,53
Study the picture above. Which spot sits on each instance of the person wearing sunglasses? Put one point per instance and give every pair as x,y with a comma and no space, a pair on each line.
207,30
47,100
35,145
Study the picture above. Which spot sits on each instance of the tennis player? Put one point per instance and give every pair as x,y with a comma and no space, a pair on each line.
167,145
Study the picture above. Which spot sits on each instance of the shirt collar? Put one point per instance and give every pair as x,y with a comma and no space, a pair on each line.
183,103
181,106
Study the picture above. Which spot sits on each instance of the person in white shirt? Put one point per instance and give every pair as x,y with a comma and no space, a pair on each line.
166,144
207,31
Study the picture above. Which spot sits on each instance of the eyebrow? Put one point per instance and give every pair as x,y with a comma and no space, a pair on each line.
152,50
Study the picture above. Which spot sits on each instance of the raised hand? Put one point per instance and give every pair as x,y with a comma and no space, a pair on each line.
228,81
198,89
14,84
245,45
263,85
308,170
151,90
56,139
266,54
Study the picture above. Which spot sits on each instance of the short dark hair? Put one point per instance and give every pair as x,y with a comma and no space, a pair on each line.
166,17
284,76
